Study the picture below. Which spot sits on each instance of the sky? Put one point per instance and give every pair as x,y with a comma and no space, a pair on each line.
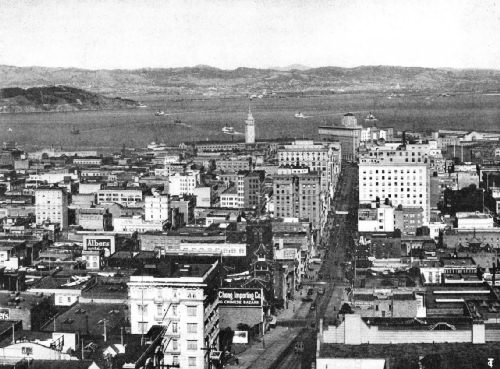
129,34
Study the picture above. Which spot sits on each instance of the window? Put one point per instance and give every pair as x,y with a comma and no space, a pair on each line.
175,345
191,310
159,309
174,327
192,327
174,310
175,360
192,345
191,361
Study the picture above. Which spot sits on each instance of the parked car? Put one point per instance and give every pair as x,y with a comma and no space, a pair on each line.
313,306
310,292
307,299
321,291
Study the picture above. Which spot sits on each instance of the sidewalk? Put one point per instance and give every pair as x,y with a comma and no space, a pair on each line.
276,342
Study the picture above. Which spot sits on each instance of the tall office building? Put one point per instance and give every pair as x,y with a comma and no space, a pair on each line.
348,134
245,190
349,120
180,298
398,174
51,204
298,196
323,158
249,128
156,207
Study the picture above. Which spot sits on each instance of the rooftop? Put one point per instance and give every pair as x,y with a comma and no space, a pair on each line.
59,282
89,318
400,356
21,300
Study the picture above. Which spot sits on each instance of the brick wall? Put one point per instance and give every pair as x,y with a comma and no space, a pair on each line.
232,316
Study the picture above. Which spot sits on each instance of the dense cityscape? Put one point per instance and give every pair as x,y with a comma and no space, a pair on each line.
368,248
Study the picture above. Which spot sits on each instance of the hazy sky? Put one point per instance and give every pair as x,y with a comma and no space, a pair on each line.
232,33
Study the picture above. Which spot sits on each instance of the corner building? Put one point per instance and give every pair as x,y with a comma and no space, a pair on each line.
182,299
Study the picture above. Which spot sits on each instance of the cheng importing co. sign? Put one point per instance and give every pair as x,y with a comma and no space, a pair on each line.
250,297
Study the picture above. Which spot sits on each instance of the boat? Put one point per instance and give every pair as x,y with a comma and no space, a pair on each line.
177,121
159,113
228,130
142,105
299,115
75,131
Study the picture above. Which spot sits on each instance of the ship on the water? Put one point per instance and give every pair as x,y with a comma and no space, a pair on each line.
159,113
75,131
299,115
228,130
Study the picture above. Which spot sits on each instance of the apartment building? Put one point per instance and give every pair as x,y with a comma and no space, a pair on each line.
400,175
298,196
181,298
51,205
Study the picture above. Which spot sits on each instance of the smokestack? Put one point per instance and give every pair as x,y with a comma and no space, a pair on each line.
404,137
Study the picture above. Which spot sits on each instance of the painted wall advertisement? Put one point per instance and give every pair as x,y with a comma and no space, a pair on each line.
250,297
4,314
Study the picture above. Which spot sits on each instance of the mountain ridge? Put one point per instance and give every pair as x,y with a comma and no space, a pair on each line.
57,99
209,80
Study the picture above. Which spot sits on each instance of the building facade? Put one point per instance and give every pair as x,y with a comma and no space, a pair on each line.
183,301
298,196
51,205
398,175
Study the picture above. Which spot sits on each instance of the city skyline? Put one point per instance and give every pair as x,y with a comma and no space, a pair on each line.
94,34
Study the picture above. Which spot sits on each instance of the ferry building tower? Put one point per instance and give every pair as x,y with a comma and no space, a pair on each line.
249,128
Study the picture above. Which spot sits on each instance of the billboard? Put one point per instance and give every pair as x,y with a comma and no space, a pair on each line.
240,337
4,314
99,242
249,297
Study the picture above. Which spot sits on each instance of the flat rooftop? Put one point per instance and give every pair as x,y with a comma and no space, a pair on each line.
68,282
75,319
24,300
457,355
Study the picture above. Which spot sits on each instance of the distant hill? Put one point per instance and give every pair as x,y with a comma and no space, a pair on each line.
211,81
56,98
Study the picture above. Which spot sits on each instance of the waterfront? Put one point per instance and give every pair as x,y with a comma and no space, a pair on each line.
203,119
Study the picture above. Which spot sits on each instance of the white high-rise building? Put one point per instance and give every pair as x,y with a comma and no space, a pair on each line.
183,183
250,128
181,299
51,204
400,175
156,207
